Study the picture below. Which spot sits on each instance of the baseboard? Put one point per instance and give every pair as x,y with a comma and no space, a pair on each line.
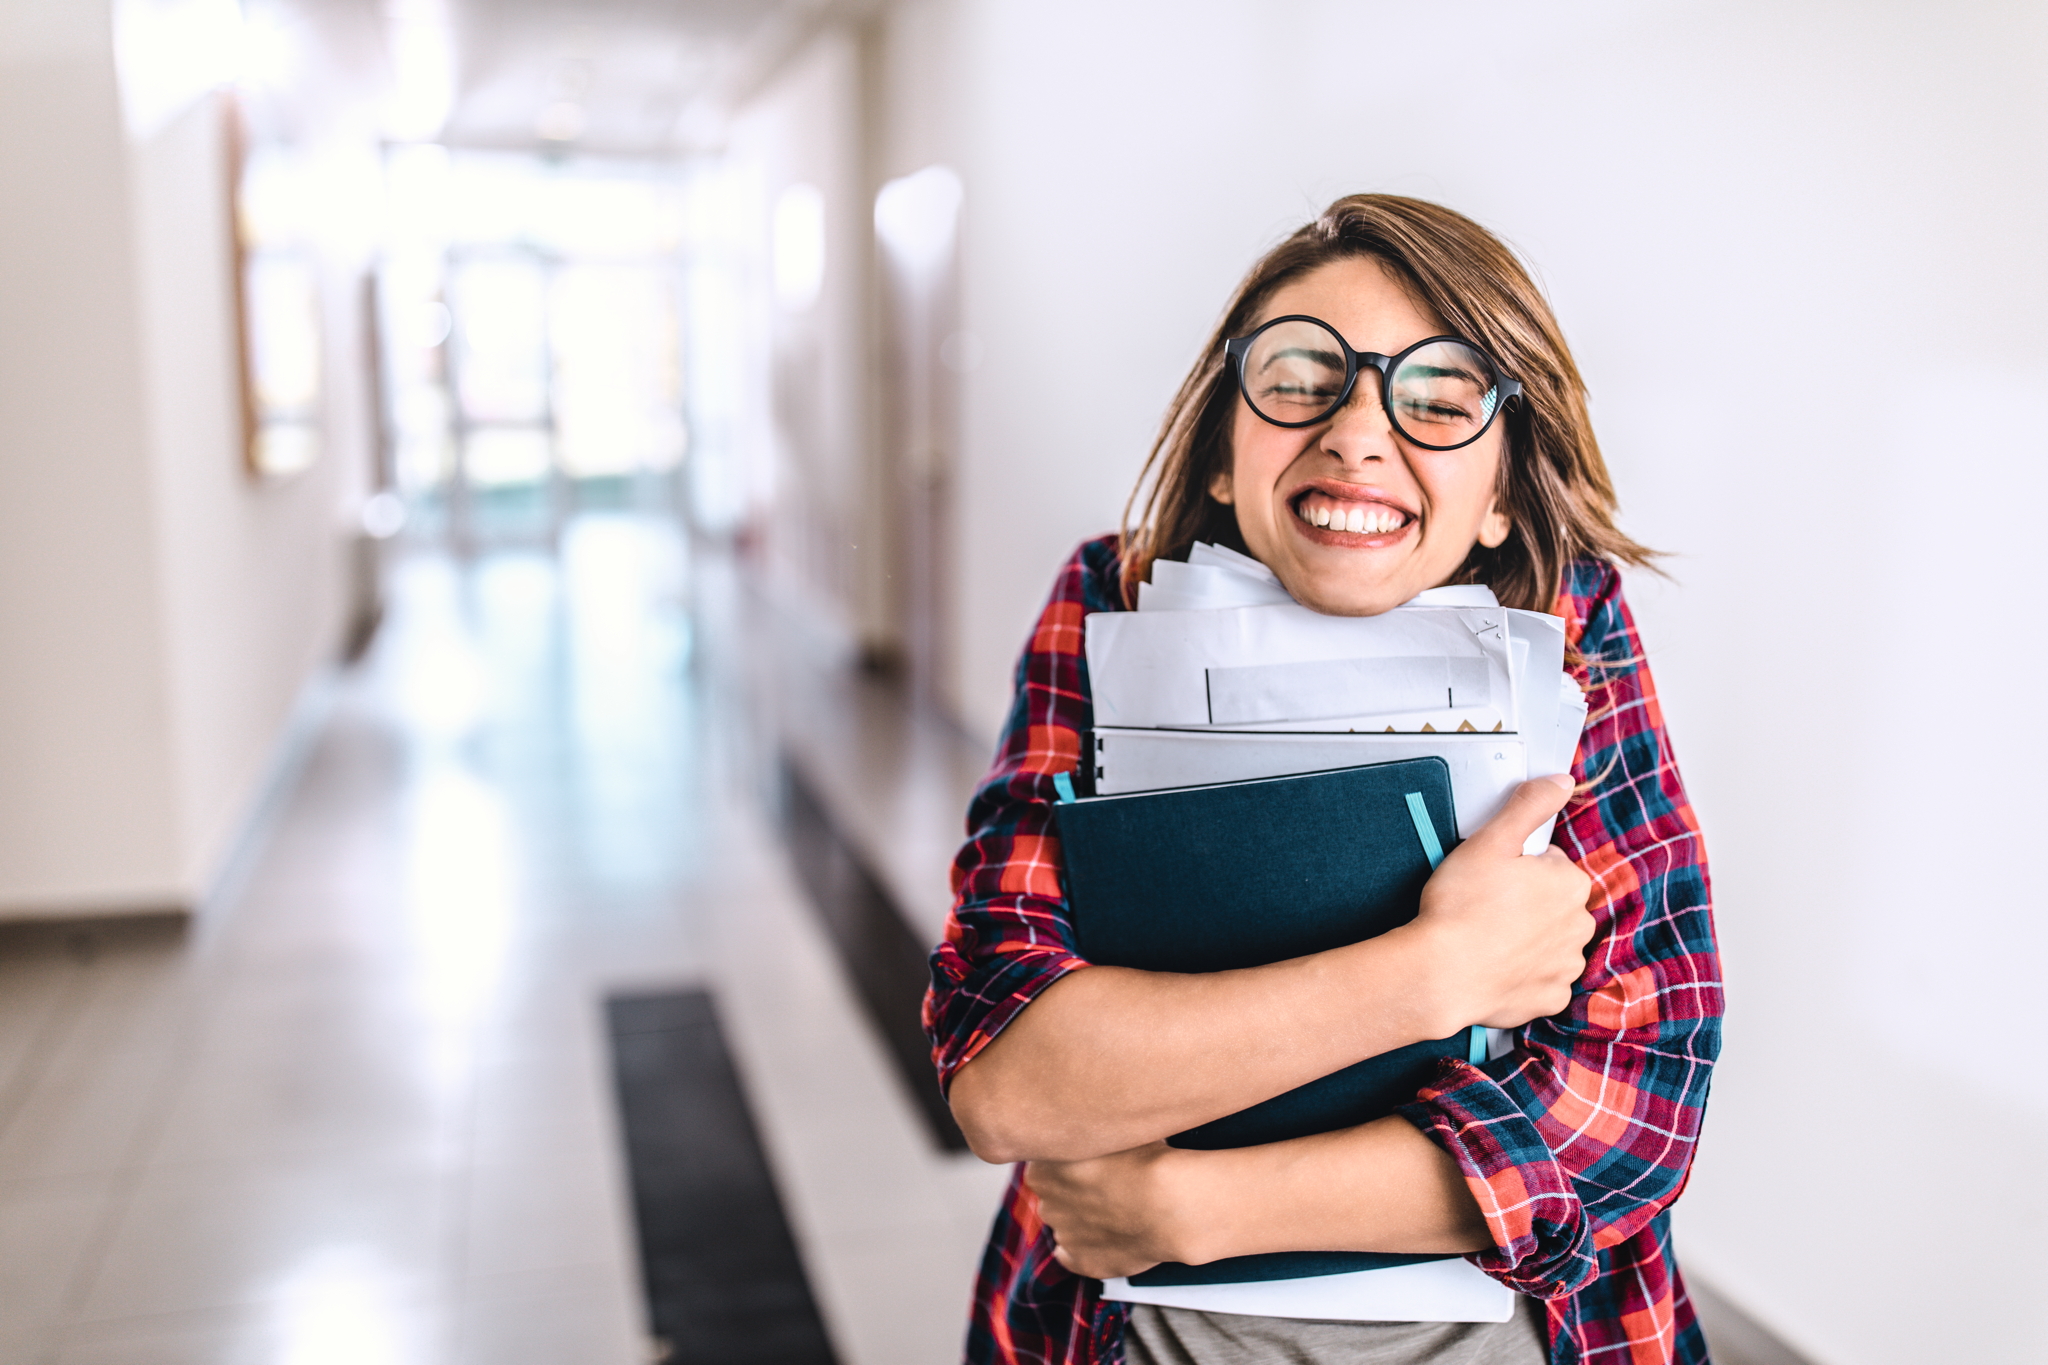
86,934
238,849
293,745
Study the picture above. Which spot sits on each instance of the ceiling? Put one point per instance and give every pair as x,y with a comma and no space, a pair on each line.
609,77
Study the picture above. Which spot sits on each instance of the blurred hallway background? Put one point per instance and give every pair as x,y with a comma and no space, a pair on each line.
516,517
363,1110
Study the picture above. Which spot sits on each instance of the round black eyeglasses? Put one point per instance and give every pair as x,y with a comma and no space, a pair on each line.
1440,394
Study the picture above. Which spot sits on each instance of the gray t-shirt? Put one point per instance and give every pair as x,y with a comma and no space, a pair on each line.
1187,1336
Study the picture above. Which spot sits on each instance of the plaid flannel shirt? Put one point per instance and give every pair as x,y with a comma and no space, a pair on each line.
1574,1145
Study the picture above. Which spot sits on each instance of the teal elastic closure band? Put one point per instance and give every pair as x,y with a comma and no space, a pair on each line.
1063,783
1433,849
1475,1048
1425,829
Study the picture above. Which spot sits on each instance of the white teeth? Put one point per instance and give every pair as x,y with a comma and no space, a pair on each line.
1358,520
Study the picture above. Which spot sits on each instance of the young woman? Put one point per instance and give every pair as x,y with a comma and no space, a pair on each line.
1552,1166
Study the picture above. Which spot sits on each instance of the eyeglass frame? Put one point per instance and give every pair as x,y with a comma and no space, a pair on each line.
1236,349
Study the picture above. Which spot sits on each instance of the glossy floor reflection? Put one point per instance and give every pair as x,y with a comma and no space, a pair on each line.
361,1112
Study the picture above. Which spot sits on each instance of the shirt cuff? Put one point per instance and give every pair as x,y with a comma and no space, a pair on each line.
967,1010
1543,1243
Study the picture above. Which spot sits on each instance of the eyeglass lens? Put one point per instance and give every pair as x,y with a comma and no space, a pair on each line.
1442,394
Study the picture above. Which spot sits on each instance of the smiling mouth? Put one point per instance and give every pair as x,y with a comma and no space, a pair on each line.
1349,515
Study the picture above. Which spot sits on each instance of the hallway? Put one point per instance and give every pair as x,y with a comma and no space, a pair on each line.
363,1112
482,483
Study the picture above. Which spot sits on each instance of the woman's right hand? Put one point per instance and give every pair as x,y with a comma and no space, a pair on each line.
1504,933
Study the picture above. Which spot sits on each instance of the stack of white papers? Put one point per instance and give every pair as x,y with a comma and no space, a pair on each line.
1221,676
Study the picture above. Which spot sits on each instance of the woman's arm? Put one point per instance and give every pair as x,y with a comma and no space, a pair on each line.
1109,1059
1382,1186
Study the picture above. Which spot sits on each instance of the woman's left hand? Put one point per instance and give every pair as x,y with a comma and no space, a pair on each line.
1118,1214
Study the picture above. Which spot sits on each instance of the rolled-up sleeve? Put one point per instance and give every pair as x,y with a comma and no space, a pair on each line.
1009,937
1580,1137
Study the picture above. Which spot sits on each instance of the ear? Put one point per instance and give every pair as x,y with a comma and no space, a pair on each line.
1494,527
1221,489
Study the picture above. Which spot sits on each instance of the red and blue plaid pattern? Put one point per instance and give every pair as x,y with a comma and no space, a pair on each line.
1575,1144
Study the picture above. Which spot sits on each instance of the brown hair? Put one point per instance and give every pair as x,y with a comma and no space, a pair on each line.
1553,483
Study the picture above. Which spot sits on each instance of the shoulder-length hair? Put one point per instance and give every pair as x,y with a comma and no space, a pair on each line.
1554,486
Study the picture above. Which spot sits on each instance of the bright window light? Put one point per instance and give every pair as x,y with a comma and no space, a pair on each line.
423,70
799,247
170,53
917,215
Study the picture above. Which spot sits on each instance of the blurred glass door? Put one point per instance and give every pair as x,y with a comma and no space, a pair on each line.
506,483
534,364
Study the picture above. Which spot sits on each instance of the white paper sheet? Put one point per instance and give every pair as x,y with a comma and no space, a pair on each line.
1316,690
1154,668
1183,587
1193,592
1223,557
1430,1291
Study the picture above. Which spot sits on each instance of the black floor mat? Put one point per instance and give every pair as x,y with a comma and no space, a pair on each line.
724,1283
888,963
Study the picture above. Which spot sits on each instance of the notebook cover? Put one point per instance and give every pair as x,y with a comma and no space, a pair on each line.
1203,879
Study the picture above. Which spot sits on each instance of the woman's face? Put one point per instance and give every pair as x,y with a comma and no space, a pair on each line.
1422,510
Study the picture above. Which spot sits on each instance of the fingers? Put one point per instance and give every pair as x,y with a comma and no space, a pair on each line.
1087,1205
1545,989
1528,806
1558,863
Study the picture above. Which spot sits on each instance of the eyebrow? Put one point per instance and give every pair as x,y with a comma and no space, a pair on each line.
1445,372
1330,358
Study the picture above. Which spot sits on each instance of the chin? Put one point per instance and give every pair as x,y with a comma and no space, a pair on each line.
1343,601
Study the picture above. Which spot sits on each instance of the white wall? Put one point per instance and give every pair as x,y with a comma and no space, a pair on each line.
159,611
805,128
87,777
251,577
1798,252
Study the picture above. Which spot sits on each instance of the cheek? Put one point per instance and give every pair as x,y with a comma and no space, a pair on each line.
1257,460
1460,491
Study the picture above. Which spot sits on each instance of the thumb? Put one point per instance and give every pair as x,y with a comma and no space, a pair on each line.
1528,806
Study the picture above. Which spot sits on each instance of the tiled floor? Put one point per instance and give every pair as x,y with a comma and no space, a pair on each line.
362,1112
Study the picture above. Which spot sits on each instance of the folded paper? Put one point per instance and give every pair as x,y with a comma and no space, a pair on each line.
1158,668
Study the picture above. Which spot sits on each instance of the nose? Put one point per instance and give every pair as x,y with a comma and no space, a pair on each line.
1360,432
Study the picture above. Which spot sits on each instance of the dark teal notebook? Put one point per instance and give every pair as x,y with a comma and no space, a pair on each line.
1203,879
